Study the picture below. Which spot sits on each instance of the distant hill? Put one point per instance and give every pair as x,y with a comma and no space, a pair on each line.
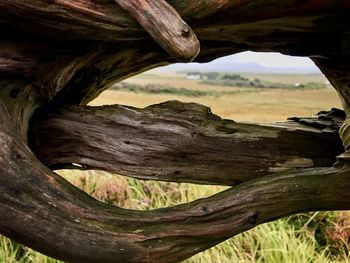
237,67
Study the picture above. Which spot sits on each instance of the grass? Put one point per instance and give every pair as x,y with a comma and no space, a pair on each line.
167,89
160,89
310,238
262,106
11,252
236,80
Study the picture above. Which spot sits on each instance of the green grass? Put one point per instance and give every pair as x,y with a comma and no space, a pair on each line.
309,238
161,89
11,252
169,90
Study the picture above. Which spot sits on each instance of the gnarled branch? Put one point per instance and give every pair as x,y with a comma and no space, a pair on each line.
183,142
42,210
86,42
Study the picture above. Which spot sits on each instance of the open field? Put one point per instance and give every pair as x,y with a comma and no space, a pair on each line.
288,78
175,80
179,80
307,238
245,105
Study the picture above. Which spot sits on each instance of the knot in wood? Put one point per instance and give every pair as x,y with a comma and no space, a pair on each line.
186,31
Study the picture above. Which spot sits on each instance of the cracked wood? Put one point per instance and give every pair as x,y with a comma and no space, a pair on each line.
183,142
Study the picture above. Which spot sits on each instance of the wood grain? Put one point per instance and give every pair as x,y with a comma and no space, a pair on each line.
166,27
41,210
183,142
56,56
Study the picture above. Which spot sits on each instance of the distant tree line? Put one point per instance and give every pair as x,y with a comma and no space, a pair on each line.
236,80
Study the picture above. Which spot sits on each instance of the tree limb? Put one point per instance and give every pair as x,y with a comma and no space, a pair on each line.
101,20
166,27
337,69
183,142
41,210
87,41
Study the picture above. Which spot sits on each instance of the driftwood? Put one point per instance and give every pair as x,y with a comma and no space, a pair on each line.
56,56
181,142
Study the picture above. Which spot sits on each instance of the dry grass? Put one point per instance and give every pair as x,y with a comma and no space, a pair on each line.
176,81
268,105
288,78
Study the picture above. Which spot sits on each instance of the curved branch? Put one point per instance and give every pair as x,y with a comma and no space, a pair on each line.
103,20
337,69
43,211
86,42
166,27
175,141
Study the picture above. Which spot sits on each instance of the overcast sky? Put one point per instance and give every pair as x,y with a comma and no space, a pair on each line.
274,60
251,62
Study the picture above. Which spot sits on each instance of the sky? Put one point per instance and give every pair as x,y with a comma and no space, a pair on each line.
252,62
275,60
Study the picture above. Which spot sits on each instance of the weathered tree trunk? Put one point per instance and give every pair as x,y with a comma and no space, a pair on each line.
56,56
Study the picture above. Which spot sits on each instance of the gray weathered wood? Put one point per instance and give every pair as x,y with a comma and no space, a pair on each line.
183,142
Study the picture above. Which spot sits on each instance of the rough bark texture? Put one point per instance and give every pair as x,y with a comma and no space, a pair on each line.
181,142
56,56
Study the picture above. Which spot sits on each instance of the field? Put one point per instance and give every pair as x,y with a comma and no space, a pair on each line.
245,104
314,237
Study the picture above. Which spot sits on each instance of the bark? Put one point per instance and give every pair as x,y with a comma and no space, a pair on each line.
166,27
40,209
56,56
94,43
337,71
181,142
